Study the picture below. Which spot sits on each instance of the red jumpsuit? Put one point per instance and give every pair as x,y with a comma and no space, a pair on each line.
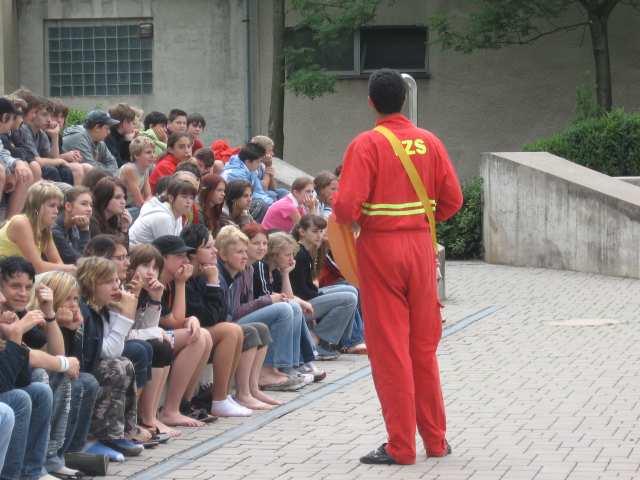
396,267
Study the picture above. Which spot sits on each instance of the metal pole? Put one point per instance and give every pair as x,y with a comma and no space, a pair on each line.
412,97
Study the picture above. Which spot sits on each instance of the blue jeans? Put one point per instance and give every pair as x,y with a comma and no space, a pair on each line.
357,333
28,446
7,419
285,330
141,355
84,391
61,386
334,312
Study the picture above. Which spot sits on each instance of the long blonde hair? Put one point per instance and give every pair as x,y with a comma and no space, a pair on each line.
39,193
62,284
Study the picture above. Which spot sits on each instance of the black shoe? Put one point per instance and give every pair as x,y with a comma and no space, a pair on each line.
378,457
447,451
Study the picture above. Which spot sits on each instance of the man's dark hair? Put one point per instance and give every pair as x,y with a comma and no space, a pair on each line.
387,90
162,185
196,119
251,151
11,266
195,235
7,109
102,245
154,118
189,167
205,155
175,113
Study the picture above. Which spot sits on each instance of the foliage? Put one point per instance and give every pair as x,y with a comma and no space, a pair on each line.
493,24
328,22
75,117
461,235
608,143
586,105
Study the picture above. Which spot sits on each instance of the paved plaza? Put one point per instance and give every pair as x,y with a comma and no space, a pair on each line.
540,378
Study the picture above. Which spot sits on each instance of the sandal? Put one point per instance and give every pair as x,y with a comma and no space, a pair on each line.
360,349
157,436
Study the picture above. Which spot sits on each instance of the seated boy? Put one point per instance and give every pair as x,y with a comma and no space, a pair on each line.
135,174
195,126
155,128
37,142
15,175
59,116
243,166
177,121
120,135
88,139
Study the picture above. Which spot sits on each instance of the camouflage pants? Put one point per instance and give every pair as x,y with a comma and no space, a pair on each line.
116,406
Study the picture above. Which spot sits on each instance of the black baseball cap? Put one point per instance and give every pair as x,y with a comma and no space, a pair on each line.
171,245
99,117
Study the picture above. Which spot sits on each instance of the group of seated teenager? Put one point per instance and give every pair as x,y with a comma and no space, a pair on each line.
132,268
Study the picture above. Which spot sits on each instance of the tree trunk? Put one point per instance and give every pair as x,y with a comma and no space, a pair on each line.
276,109
600,44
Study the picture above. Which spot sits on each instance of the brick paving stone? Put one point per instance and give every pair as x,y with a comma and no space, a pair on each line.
525,398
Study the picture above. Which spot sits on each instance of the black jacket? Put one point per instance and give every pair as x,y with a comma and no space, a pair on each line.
14,366
70,243
302,276
205,302
118,146
88,347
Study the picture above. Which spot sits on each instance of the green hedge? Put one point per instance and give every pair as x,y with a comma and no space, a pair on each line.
75,117
461,235
609,143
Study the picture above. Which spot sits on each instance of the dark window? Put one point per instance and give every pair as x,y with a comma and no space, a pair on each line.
337,57
400,48
97,59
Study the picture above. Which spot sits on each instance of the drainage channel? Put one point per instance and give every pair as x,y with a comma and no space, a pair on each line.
186,457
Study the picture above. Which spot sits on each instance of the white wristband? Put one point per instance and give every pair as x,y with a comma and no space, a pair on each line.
64,363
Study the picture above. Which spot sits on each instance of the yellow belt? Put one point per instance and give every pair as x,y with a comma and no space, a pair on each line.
395,209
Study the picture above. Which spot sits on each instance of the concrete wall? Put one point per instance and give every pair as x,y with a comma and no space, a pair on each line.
544,211
486,101
199,55
8,46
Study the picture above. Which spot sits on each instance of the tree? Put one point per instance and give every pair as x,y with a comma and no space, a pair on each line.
494,24
297,67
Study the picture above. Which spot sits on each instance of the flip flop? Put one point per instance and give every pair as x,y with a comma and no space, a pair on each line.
291,385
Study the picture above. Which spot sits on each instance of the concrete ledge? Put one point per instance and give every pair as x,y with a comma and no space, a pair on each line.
632,180
544,211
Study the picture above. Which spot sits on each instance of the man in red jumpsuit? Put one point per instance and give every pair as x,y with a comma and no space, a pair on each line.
397,269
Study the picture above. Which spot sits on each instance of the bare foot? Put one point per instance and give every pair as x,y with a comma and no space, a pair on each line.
252,403
179,420
162,428
263,397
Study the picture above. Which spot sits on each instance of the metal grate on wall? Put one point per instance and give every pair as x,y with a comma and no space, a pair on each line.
99,59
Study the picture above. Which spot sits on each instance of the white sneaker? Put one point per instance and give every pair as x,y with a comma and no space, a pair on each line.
228,408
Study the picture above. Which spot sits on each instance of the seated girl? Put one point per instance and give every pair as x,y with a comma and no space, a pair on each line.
70,435
286,212
326,186
29,235
160,217
71,230
206,299
191,343
238,201
334,307
144,269
211,199
271,275
108,313
283,318
109,208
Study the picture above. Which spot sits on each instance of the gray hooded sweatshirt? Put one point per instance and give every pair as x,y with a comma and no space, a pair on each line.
96,154
156,219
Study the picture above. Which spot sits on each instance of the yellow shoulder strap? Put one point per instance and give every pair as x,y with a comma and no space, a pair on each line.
414,177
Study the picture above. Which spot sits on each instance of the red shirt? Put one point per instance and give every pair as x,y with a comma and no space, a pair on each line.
197,145
373,174
166,166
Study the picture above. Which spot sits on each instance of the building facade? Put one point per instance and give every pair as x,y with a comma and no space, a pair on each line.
215,57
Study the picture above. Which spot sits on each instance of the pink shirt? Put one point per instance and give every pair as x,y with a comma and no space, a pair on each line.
278,217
